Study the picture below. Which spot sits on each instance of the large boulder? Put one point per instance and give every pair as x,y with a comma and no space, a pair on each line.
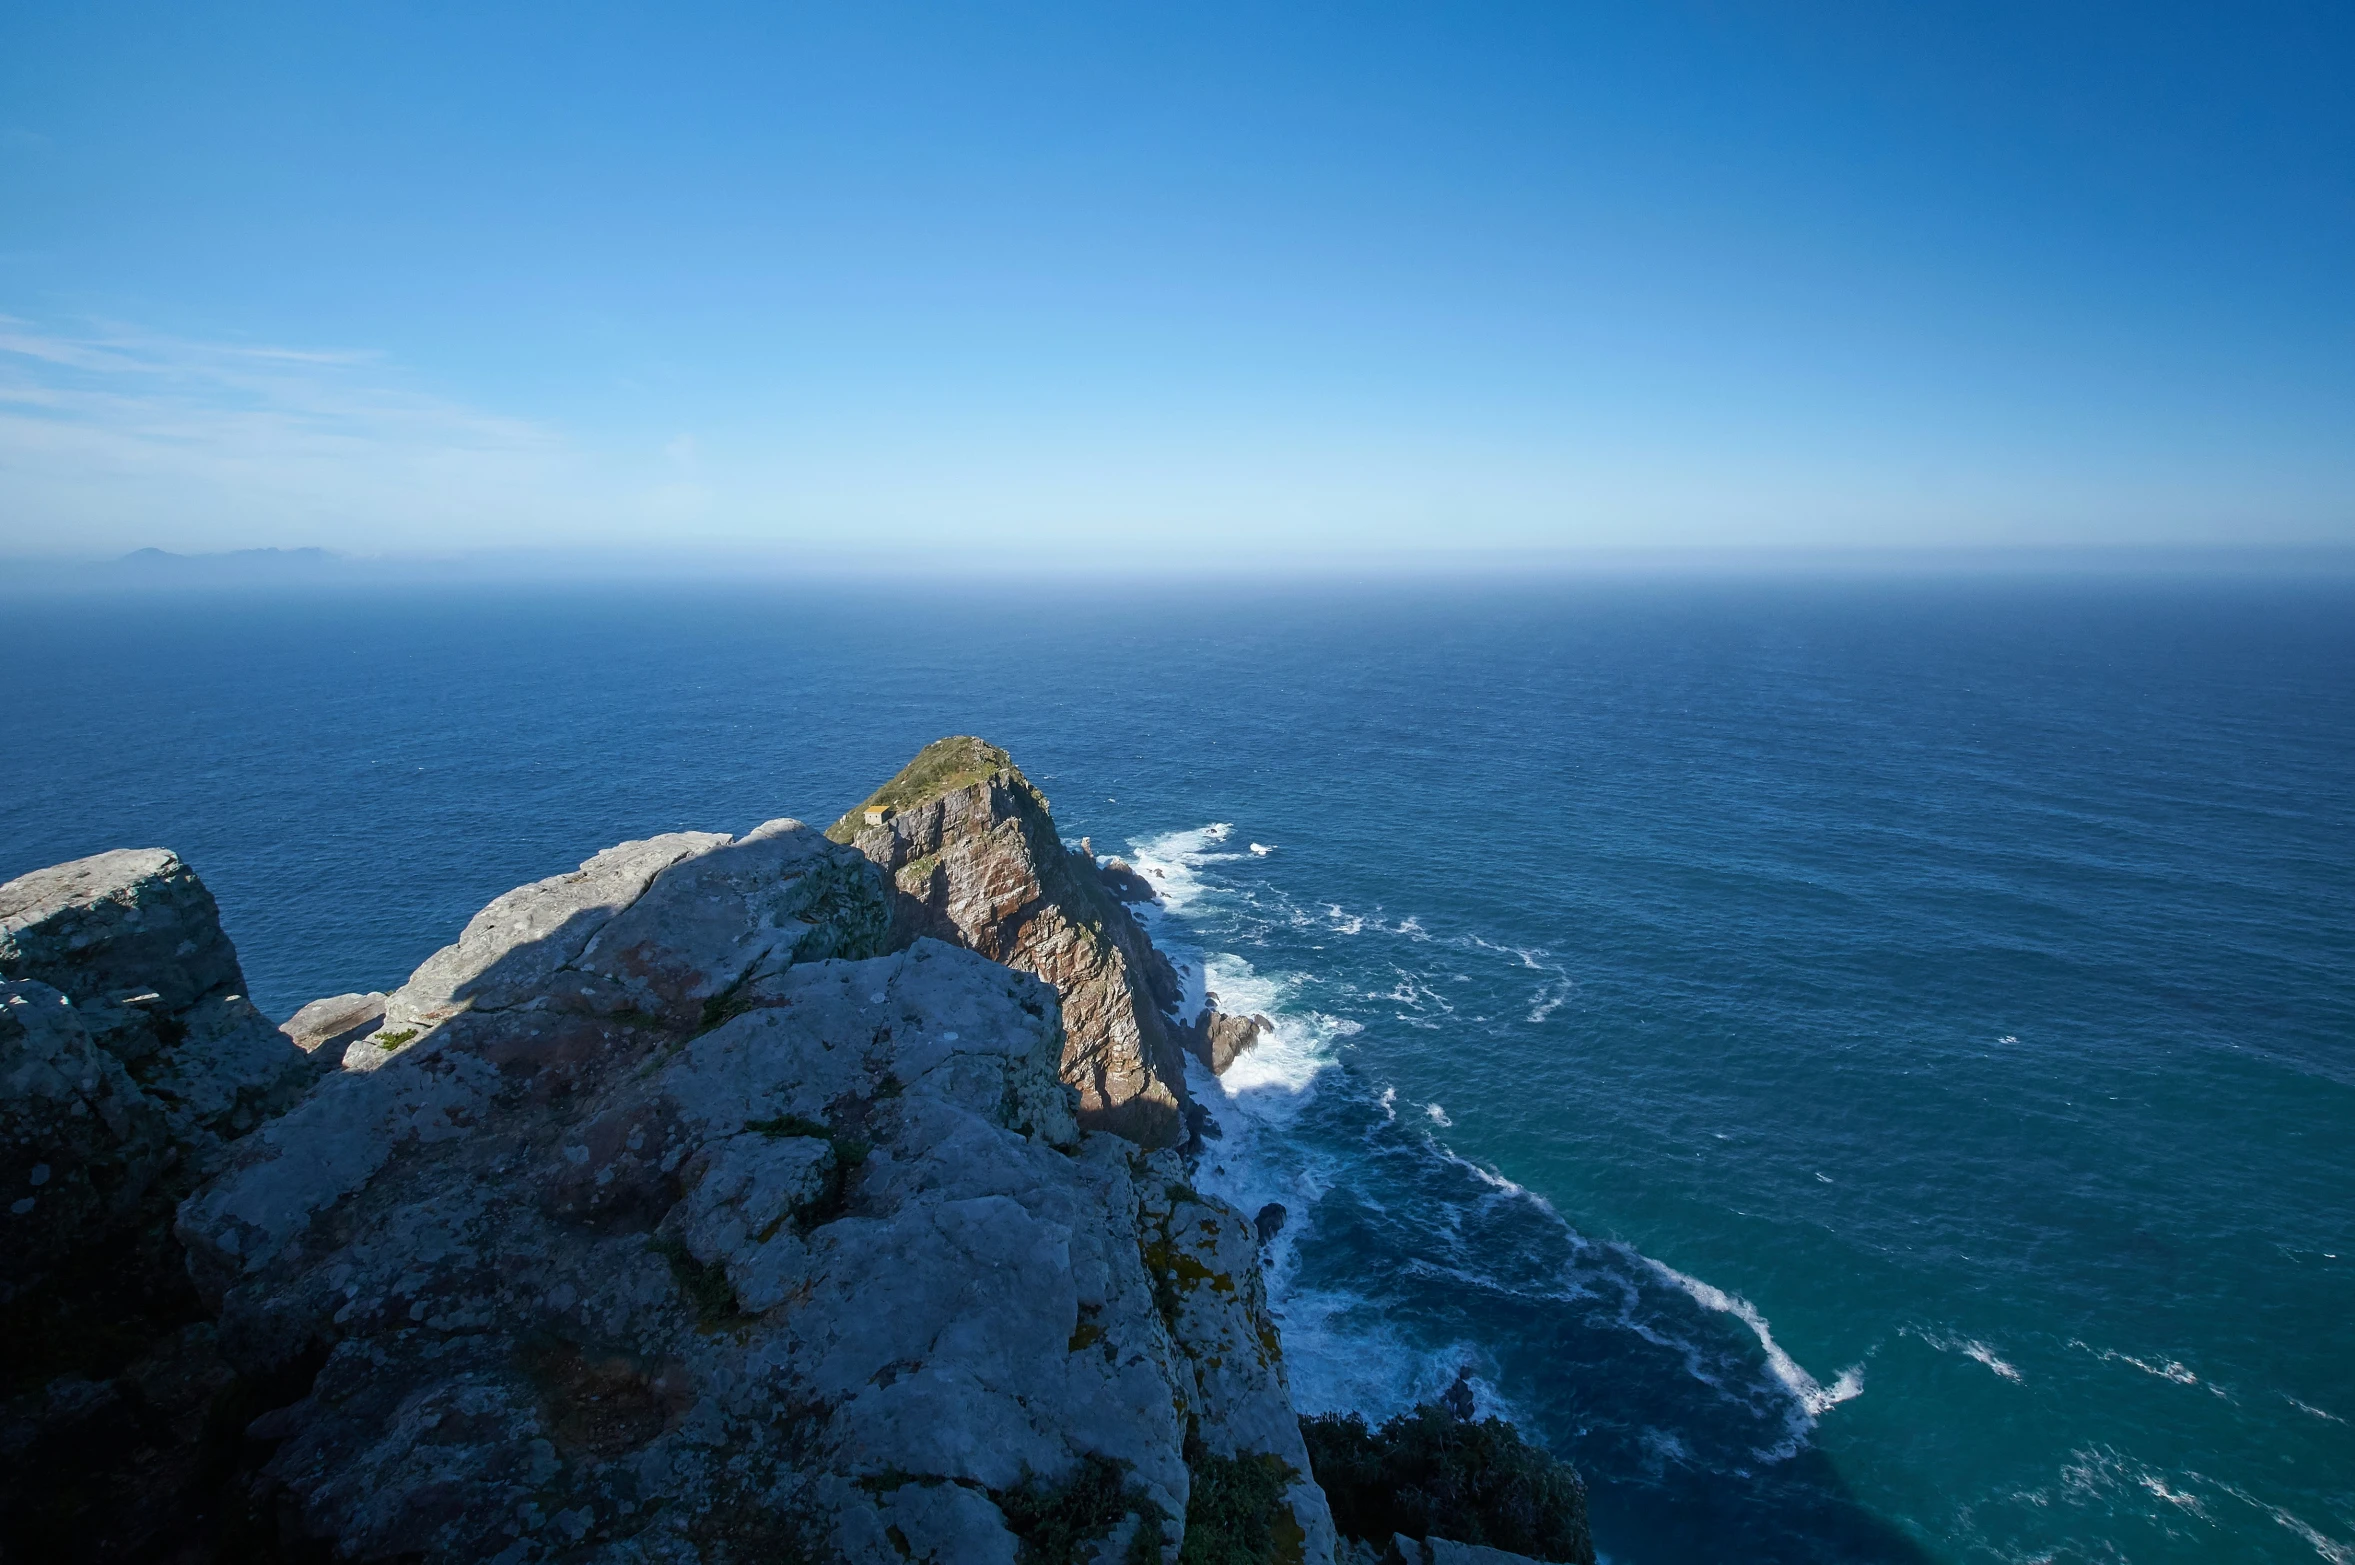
135,940
682,1227
129,1059
973,852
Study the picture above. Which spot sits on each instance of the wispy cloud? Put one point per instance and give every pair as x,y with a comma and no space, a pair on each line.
112,437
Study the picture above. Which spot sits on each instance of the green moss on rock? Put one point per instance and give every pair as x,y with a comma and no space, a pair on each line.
940,768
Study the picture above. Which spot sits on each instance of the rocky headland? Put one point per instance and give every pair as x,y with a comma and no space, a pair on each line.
795,1195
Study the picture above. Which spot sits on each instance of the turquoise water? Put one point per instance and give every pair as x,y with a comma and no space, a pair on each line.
1868,1070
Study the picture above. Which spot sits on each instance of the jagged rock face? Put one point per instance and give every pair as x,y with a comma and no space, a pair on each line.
129,1061
976,859
1122,880
81,1147
1217,1038
135,940
697,1246
129,1055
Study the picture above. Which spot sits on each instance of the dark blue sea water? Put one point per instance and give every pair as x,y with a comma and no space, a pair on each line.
1866,1069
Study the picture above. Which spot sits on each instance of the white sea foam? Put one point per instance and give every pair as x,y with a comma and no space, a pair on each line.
1172,861
1970,1349
1986,1355
1813,1397
1263,849
1340,1352
2308,1407
2165,1369
2328,1547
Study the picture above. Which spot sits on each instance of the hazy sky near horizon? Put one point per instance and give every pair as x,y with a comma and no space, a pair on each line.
1126,281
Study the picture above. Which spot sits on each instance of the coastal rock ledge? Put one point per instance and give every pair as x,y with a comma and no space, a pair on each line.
699,1204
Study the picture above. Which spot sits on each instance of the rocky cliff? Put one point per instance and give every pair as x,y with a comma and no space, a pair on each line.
975,860
695,1205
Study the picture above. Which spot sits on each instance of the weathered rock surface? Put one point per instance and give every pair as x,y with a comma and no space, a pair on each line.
129,1056
81,1147
326,1028
664,1238
974,854
134,939
129,1062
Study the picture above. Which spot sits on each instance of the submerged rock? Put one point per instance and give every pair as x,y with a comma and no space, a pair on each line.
974,855
686,1228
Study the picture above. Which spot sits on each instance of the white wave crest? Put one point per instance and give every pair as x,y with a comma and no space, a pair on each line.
1813,1397
1970,1349
2165,1369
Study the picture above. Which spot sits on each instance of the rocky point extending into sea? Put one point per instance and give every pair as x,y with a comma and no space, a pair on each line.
795,1195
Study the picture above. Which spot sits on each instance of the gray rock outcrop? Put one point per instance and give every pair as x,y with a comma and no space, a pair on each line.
134,939
82,1149
129,1056
682,1226
973,852
130,1062
326,1028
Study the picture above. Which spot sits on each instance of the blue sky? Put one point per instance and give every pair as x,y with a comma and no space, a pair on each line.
1197,282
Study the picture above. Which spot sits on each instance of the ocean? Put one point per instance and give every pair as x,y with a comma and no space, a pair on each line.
1864,1068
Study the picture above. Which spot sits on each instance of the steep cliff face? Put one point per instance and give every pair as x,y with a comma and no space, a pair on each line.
974,856
129,1058
679,1227
130,1061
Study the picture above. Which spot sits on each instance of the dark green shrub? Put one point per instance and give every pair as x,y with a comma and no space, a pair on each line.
1429,1474
1235,1512
1059,1524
